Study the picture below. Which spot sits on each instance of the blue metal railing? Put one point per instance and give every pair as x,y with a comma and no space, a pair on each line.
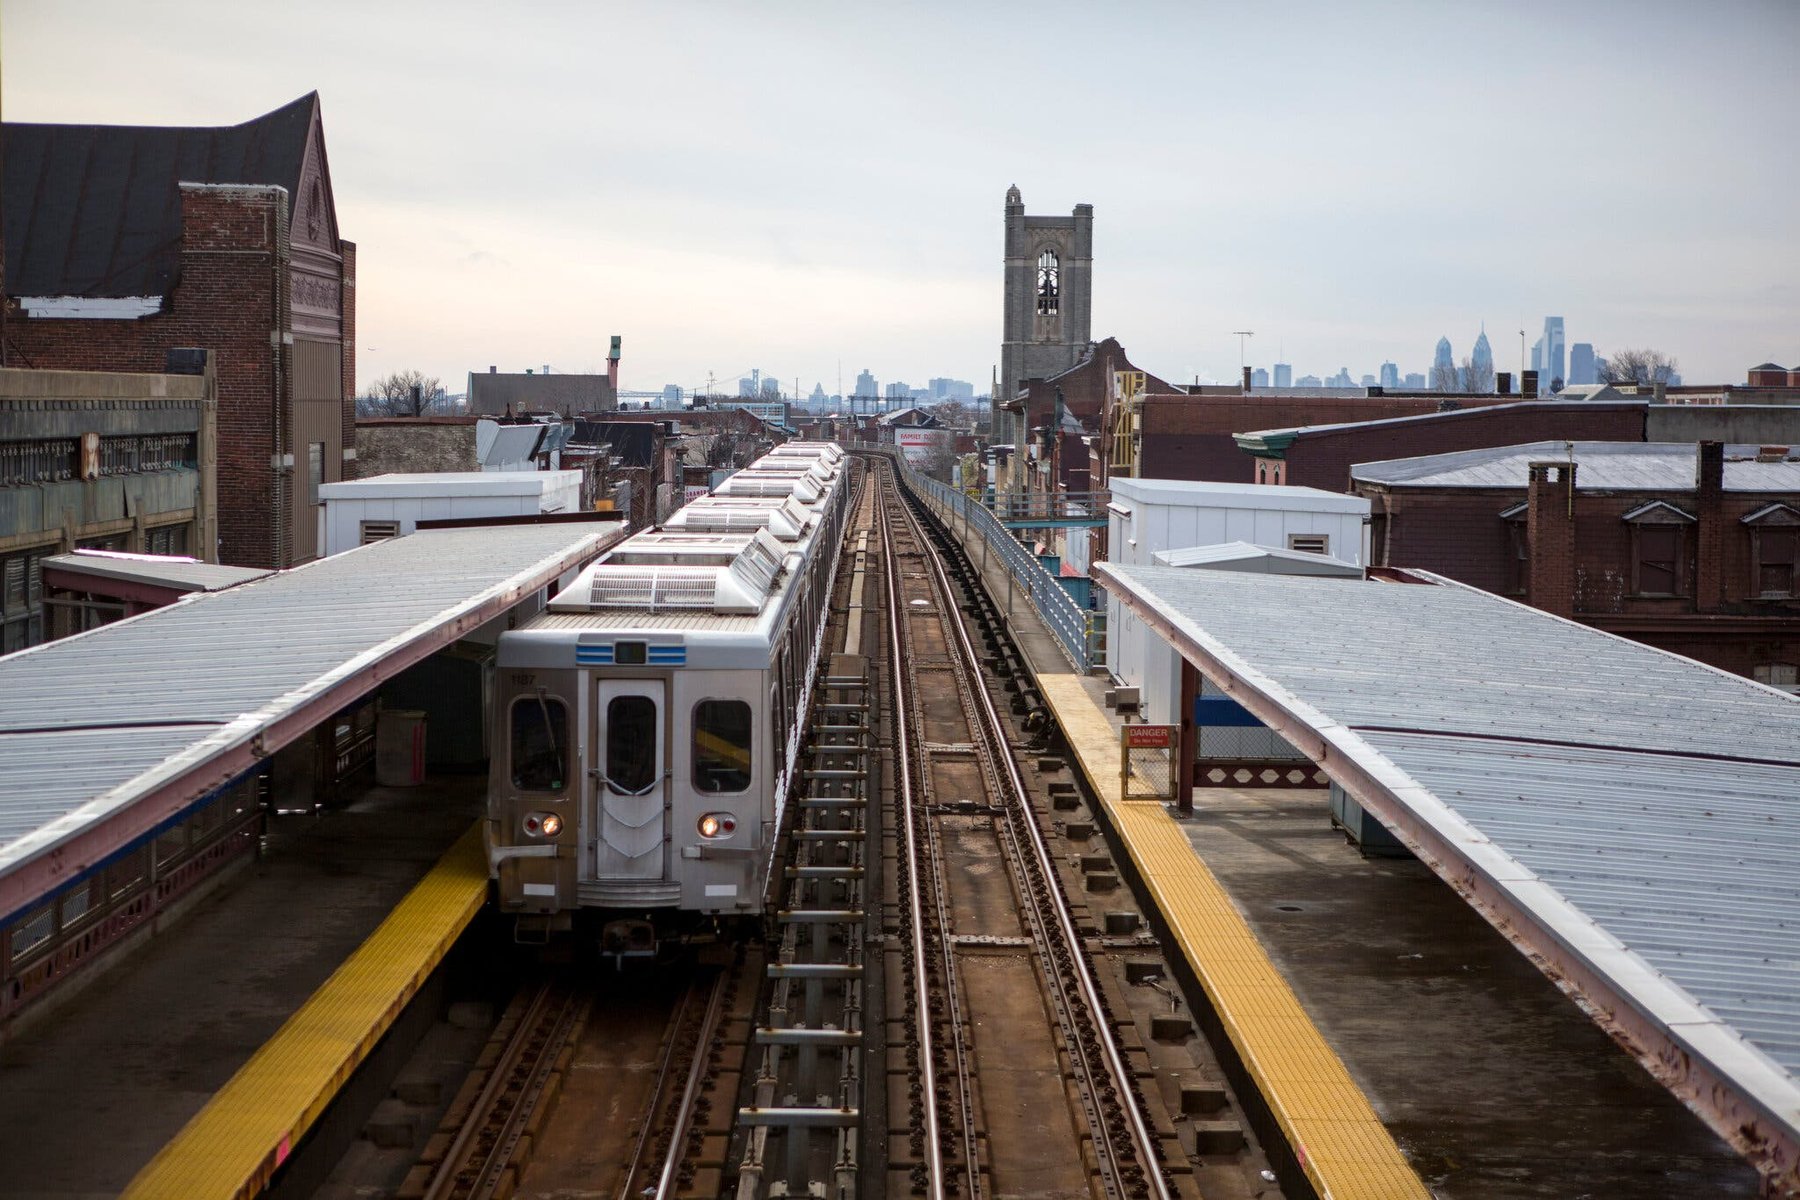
1080,633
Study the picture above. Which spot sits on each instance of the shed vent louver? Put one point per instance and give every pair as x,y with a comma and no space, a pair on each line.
378,531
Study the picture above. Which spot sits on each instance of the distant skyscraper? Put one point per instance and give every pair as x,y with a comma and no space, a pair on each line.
1390,376
1368,381
1482,357
1581,363
1309,381
1284,375
1259,377
1413,382
865,384
1443,367
1555,367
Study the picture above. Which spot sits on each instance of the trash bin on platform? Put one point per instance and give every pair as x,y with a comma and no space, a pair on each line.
400,747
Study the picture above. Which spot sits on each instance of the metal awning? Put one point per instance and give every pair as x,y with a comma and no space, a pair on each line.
106,736
1628,817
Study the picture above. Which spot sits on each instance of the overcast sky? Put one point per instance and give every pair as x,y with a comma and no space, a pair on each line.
795,186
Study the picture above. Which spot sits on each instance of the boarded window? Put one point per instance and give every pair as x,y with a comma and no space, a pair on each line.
631,744
21,599
1658,561
1785,676
1775,561
540,744
722,756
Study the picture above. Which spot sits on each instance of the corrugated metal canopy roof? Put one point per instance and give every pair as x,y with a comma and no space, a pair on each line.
90,724
1616,466
181,574
1641,808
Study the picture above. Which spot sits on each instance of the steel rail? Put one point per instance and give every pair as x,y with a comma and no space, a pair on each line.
934,1159
1117,1068
634,1163
690,1092
940,895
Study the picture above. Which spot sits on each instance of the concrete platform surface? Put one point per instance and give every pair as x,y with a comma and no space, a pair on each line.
91,1091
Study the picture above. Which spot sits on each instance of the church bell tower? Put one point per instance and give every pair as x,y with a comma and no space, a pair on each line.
1049,290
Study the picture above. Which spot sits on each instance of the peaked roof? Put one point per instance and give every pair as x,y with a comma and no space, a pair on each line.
95,210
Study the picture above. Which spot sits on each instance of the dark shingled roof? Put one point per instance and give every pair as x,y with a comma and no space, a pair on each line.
94,210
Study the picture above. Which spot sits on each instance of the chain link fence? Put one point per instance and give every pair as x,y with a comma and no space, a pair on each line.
1147,761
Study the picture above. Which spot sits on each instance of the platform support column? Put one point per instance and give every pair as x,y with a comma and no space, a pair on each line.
1189,748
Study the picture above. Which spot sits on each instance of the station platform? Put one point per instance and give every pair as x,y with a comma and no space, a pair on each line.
1404,1047
97,1085
1336,1137
234,1145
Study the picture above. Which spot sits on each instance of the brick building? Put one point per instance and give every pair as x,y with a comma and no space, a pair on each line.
1321,456
1689,548
124,242
1187,436
98,460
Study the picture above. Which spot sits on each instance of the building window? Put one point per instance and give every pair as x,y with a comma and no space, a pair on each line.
1658,560
1785,676
540,740
1518,556
315,470
721,746
1048,284
1774,553
22,599
166,539
1309,543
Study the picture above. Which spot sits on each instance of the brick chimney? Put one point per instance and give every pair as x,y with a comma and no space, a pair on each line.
1550,530
1709,505
1246,380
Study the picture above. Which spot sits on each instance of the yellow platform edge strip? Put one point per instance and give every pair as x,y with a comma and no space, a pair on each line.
232,1146
1341,1144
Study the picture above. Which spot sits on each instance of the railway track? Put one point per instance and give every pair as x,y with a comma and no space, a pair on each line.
531,1124
938,1009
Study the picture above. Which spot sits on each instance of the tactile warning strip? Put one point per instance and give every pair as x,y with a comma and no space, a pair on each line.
1340,1143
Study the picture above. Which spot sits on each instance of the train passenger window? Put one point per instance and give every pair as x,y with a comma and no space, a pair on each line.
721,746
631,744
540,740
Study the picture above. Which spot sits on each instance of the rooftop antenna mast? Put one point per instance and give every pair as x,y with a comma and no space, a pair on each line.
1243,336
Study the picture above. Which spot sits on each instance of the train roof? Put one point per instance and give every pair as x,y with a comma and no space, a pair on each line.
721,573
783,516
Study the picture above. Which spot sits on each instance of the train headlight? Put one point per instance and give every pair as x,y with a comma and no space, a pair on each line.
717,825
542,824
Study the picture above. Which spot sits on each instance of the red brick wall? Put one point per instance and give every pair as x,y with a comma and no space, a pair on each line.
1189,437
1323,460
1459,533
228,302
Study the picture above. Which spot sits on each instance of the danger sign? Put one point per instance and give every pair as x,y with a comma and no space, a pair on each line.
1149,737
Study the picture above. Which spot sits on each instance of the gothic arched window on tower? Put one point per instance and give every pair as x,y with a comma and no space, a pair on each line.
1047,284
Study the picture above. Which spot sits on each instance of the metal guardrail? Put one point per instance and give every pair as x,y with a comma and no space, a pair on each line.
1047,509
1080,634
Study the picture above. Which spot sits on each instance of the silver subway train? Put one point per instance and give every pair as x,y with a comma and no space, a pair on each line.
647,722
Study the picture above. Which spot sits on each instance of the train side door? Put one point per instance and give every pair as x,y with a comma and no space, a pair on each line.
628,770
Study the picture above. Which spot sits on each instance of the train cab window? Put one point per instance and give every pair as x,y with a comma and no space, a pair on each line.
540,741
722,746
631,744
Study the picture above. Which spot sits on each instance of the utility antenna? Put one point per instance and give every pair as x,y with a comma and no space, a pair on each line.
1243,336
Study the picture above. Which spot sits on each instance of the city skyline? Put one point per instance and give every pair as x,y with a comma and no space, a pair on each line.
527,219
